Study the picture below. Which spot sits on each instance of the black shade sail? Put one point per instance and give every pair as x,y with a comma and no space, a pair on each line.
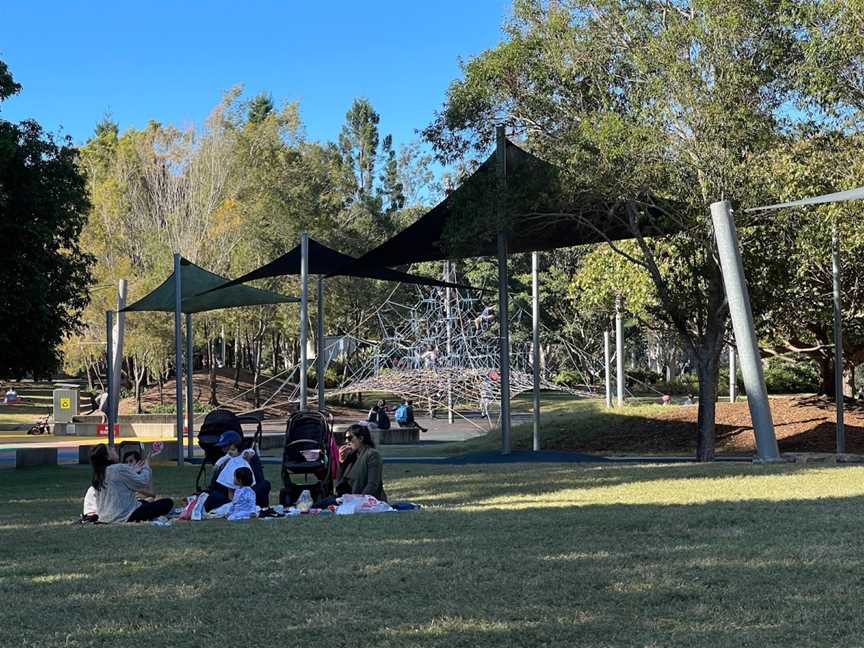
194,281
537,218
328,262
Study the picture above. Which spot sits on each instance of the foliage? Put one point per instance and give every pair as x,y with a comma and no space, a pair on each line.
653,110
783,377
43,207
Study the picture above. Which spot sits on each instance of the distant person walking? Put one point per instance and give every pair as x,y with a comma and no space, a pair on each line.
102,403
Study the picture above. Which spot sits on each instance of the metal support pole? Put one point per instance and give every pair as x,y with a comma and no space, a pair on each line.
320,367
619,352
449,348
535,343
607,357
503,310
733,381
178,355
109,371
304,318
838,338
117,350
745,334
224,359
190,409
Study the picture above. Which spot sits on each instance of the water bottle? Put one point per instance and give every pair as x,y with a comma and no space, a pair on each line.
304,502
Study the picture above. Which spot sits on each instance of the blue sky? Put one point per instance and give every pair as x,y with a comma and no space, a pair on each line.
172,61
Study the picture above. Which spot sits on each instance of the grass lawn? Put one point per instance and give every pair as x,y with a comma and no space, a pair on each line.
513,555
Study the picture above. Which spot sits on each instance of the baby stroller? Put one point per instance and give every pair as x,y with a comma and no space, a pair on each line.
215,423
307,455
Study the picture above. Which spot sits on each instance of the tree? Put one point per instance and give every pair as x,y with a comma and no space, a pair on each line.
649,105
358,144
43,207
391,183
799,322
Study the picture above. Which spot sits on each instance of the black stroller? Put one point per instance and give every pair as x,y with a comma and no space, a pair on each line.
307,455
215,423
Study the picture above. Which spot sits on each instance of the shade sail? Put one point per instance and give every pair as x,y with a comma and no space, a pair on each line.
194,281
840,196
327,261
537,217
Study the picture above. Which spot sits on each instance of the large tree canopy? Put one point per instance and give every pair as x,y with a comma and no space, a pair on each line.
677,99
43,207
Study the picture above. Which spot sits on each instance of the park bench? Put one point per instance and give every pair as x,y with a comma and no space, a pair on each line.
393,436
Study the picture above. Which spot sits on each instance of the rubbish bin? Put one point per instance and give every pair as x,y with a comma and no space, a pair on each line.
65,405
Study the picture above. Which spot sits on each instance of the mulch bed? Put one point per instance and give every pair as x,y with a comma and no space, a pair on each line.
802,424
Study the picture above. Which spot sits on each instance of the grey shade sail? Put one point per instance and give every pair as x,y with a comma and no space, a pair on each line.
326,261
194,281
840,196
539,216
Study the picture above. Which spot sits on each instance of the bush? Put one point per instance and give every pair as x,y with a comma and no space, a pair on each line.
170,408
568,378
641,377
791,378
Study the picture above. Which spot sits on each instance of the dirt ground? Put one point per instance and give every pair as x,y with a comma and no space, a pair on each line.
802,424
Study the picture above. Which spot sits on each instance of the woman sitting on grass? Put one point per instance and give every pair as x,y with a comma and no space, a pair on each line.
117,486
361,470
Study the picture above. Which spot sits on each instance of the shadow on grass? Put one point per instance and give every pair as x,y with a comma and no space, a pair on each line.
761,572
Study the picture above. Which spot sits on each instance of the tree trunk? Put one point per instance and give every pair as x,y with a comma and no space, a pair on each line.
213,400
708,372
826,370
850,380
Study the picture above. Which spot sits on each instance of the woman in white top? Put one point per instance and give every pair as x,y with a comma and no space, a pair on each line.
117,487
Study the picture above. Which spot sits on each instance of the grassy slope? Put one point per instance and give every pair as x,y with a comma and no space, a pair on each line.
708,555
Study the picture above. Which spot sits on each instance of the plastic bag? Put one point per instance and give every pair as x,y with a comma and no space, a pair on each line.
350,504
304,502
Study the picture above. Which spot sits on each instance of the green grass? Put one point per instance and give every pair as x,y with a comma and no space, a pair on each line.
518,555
570,424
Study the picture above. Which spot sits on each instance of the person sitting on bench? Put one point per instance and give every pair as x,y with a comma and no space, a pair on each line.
11,396
405,416
378,417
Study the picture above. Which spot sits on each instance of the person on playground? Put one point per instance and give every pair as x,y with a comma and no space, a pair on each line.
487,315
117,486
362,471
222,485
405,416
429,357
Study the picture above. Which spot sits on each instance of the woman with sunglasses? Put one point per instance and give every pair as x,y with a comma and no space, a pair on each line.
361,469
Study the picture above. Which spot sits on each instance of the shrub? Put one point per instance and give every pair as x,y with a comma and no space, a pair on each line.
791,378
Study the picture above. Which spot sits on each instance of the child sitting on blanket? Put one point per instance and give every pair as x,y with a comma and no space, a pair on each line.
243,503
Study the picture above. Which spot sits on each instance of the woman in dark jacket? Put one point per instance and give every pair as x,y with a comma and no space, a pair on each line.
362,471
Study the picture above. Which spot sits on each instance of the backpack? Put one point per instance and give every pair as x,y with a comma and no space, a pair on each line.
402,414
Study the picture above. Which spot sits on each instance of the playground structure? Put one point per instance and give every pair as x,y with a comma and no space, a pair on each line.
440,353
